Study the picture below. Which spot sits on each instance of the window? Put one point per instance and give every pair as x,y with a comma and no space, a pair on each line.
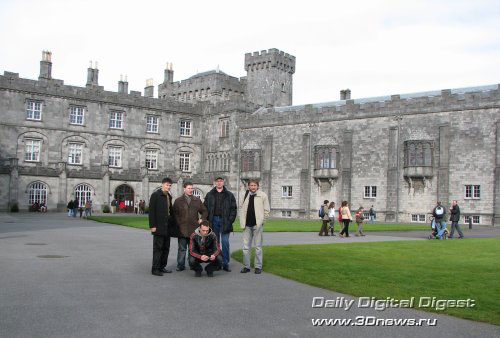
224,127
473,191
184,162
418,153
475,219
152,124
151,159
286,213
37,193
33,148
286,191
75,153
225,162
250,161
116,120
76,115
34,110
115,157
326,158
370,191
418,218
198,193
185,128
83,193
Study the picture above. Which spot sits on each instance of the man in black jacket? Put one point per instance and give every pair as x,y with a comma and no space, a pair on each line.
204,248
161,221
455,218
222,210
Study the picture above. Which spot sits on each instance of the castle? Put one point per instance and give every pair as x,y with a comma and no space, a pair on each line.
400,153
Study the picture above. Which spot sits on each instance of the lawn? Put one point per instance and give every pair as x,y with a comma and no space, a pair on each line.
272,225
450,270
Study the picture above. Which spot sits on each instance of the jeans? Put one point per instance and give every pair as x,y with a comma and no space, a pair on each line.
75,210
324,225
181,252
161,248
345,230
453,226
440,228
372,218
222,239
249,235
332,225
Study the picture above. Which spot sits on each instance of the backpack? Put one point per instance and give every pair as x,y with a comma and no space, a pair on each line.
321,212
439,211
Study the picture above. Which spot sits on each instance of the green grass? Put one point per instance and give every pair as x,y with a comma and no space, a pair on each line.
451,270
272,225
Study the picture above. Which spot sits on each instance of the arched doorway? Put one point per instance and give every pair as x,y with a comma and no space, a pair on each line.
83,192
124,194
37,193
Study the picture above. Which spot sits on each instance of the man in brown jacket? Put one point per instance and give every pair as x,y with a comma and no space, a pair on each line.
187,210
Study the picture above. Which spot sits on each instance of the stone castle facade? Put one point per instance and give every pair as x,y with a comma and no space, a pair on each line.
400,153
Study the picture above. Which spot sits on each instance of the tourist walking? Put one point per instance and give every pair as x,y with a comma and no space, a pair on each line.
359,221
372,215
254,210
222,210
88,207
346,219
114,204
455,218
439,214
331,216
76,205
323,214
70,208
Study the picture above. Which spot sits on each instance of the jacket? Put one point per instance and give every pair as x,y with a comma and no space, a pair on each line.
262,209
158,214
187,215
346,213
200,245
325,212
359,218
455,213
437,217
230,208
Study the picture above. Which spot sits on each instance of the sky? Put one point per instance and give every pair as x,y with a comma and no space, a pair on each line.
373,47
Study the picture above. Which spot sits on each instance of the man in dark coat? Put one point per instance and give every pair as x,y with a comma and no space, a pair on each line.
455,218
204,248
187,211
222,210
161,223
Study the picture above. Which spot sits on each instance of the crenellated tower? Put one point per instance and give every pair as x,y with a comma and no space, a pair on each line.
270,77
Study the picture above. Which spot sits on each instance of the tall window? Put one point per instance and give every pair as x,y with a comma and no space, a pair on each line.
152,124
473,191
198,193
33,148
418,153
250,161
116,120
370,191
185,128
37,193
185,162
83,193
76,115
75,153
115,157
326,158
33,110
224,127
151,158
225,162
286,191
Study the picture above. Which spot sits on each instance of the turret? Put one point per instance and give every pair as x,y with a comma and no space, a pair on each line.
46,66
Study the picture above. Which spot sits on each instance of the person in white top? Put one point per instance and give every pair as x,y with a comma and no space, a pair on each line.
331,215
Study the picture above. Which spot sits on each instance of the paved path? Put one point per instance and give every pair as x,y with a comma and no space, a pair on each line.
102,287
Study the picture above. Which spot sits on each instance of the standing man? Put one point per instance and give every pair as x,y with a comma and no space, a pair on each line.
372,214
187,210
222,210
114,203
325,218
254,211
161,221
439,214
455,218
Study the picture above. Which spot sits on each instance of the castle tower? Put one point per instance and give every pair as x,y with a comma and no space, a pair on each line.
269,77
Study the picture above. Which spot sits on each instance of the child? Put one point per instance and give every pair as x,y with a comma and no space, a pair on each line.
359,220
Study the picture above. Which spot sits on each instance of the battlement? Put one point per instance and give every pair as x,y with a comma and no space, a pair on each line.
271,58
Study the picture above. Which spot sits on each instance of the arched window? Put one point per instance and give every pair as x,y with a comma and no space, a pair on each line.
37,193
326,157
418,153
198,193
83,193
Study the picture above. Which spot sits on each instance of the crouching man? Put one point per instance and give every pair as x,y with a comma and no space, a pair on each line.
204,248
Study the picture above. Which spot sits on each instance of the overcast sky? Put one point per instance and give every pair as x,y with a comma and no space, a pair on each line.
372,47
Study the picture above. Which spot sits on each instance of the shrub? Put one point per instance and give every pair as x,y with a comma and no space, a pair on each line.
106,209
14,207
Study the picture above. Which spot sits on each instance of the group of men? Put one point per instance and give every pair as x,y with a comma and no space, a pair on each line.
439,213
205,226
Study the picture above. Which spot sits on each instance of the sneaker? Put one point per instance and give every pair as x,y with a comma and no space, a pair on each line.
165,270
258,271
180,268
245,270
197,273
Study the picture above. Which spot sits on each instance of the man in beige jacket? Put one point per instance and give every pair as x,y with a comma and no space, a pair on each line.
253,212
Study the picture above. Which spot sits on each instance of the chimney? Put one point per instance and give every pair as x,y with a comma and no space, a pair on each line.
46,66
92,75
345,94
123,85
149,90
169,73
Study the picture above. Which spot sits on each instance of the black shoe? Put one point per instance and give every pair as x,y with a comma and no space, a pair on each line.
245,270
197,273
165,270
179,268
210,273
156,272
258,271
226,268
